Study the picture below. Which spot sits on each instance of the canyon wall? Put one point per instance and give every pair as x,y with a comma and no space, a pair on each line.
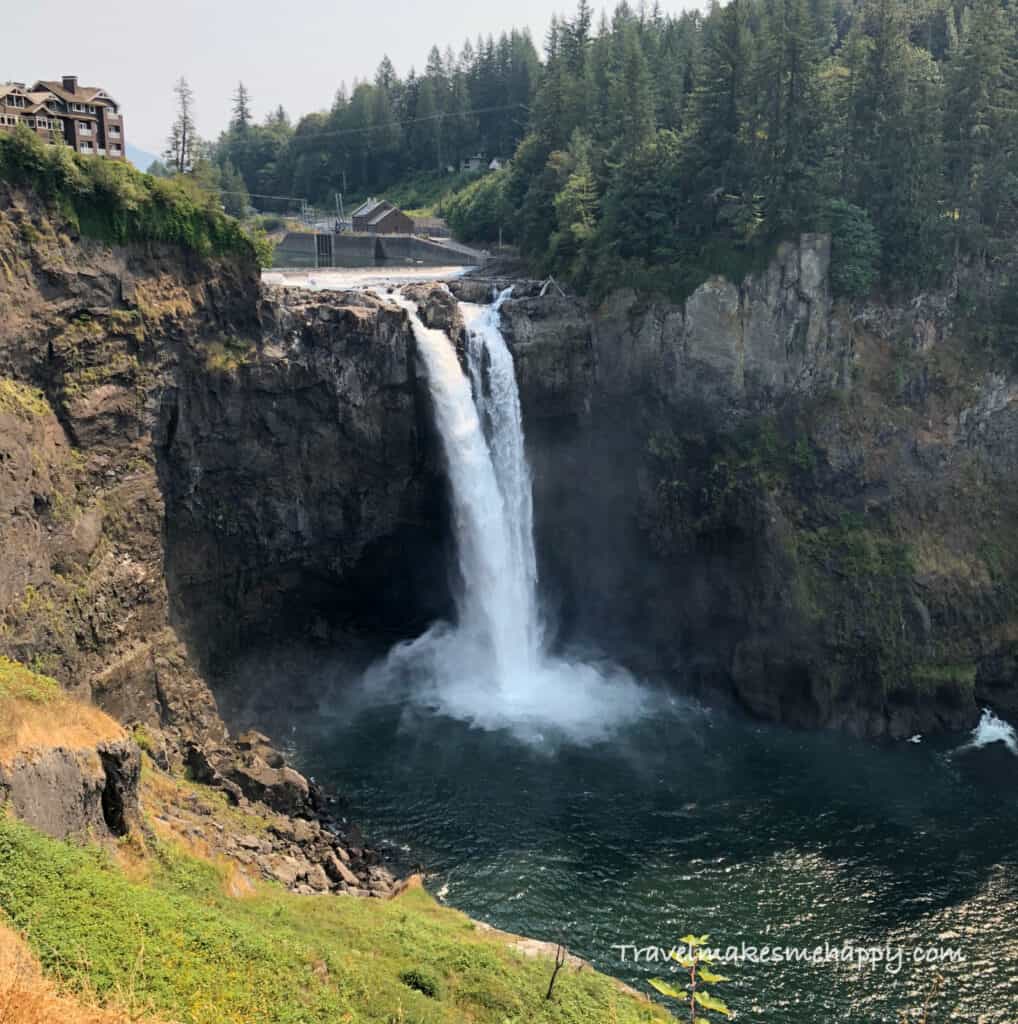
804,507
188,469
795,505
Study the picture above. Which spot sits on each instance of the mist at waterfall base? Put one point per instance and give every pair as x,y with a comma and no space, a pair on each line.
560,799
491,668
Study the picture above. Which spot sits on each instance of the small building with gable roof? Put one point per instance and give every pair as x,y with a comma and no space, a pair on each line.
380,217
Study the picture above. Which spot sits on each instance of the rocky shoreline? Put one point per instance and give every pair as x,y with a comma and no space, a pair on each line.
305,847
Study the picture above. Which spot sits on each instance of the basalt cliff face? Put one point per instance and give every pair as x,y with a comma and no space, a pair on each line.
806,507
774,499
189,468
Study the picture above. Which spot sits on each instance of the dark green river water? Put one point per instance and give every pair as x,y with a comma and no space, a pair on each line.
692,820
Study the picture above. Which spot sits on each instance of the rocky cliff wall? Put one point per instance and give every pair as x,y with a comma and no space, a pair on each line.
807,508
300,479
188,466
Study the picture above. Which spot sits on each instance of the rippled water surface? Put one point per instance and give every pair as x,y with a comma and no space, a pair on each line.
692,821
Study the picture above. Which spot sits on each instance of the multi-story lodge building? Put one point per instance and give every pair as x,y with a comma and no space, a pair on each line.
83,116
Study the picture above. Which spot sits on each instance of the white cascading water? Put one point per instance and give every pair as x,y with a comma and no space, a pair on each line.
497,398
491,668
992,729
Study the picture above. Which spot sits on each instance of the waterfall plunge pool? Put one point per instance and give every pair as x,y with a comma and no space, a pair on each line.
692,820
557,798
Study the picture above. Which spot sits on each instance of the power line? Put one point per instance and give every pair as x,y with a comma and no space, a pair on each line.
410,120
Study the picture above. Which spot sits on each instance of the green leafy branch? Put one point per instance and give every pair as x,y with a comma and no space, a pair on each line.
697,962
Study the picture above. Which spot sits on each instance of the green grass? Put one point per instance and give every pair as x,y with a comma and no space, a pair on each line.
178,945
420,195
21,400
111,201
20,683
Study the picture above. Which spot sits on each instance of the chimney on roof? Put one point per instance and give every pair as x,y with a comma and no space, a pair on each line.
71,83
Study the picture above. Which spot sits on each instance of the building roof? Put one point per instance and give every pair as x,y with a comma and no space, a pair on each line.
82,94
35,102
381,214
370,207
41,101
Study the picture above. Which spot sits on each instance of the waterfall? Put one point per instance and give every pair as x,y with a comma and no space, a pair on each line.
493,375
496,602
492,668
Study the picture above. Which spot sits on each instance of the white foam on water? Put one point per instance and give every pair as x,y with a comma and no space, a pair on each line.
992,729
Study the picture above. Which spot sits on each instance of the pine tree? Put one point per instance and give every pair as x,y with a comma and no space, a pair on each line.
182,142
717,151
576,215
233,191
893,160
631,100
241,109
982,127
789,129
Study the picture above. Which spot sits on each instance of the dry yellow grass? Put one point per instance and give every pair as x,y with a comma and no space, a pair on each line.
36,714
26,997
25,726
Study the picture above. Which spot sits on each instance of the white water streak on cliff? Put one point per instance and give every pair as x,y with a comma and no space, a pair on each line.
491,668
498,399
992,729
493,602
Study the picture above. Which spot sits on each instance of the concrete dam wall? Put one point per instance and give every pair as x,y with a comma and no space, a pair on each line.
305,249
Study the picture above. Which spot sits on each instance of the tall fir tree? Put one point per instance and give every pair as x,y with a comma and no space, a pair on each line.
182,142
241,109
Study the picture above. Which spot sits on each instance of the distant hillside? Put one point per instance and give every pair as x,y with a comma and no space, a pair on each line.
140,158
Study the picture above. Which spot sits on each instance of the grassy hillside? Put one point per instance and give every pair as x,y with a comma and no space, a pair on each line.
159,927
422,194
179,946
35,713
28,997
111,201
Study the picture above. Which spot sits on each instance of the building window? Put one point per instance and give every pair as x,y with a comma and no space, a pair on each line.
115,148
86,147
114,131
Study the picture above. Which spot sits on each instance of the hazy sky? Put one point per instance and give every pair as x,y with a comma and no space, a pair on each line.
285,52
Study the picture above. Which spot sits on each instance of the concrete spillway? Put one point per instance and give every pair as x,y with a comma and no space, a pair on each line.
307,249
